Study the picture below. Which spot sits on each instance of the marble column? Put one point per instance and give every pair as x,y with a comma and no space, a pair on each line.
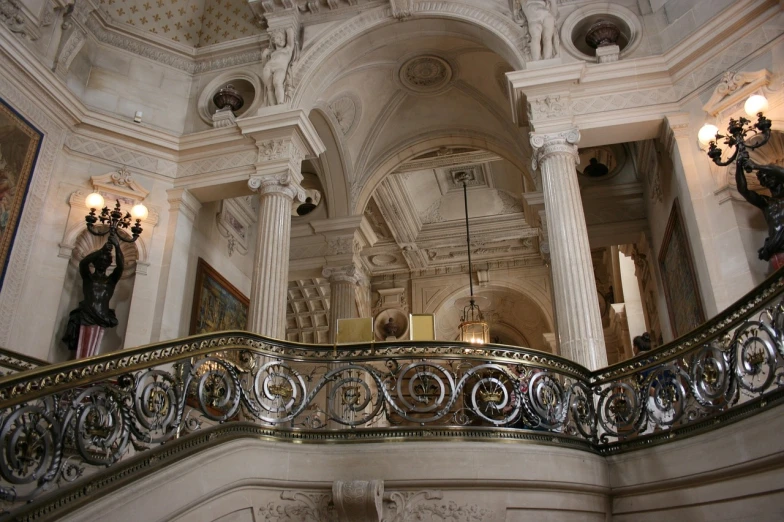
580,333
267,311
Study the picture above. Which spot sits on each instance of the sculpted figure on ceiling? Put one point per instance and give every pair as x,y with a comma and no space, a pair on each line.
538,17
277,61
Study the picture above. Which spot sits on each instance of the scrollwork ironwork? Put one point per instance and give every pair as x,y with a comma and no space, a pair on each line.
60,425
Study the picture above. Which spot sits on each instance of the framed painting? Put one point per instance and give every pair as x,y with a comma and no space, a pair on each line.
217,304
681,288
20,143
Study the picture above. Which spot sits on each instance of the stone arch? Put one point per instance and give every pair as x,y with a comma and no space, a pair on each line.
334,183
505,37
429,140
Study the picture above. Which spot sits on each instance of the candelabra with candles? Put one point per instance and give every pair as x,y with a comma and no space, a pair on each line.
114,219
743,136
87,322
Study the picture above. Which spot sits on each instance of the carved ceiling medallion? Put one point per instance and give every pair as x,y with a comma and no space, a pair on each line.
426,74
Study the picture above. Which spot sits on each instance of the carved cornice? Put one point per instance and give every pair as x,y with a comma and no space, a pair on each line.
181,200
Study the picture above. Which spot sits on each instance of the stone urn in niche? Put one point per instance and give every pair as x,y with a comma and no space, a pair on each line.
602,34
228,98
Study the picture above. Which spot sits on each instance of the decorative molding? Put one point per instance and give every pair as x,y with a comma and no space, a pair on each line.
419,505
734,87
401,9
234,223
300,507
628,18
120,155
120,183
426,74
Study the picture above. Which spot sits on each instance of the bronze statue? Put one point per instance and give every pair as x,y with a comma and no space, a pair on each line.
98,288
772,178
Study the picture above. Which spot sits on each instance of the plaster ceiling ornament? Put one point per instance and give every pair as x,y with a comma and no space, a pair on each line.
538,18
432,214
346,110
426,74
193,22
277,61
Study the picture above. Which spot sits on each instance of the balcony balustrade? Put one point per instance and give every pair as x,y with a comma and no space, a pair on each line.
69,428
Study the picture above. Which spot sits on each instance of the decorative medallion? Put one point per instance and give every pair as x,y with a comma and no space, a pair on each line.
426,74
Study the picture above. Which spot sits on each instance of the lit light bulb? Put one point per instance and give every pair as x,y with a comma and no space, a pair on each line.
756,104
139,212
707,133
94,200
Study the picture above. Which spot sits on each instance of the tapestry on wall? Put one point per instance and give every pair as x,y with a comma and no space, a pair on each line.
19,146
681,288
217,304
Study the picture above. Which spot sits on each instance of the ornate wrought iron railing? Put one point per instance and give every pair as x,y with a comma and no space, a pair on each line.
12,362
67,428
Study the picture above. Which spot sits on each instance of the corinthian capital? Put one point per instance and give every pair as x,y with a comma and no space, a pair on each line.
284,183
547,145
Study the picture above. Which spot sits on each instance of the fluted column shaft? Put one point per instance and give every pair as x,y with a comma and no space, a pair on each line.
580,333
267,311
342,295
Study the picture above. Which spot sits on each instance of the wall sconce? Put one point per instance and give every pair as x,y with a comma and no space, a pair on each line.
114,218
742,134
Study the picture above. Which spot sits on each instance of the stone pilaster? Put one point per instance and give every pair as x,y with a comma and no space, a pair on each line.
580,334
171,313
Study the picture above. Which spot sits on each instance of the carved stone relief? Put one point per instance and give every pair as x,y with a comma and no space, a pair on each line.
346,110
11,15
361,501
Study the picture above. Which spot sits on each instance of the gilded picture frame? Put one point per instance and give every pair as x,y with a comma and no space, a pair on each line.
217,304
681,287
20,143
